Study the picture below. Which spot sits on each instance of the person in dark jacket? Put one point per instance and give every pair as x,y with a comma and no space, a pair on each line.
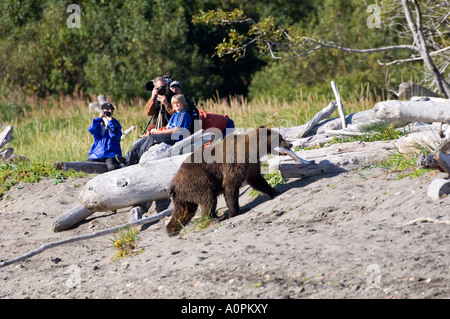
107,133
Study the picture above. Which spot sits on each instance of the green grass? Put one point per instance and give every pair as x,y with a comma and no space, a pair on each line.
126,242
274,179
12,174
405,165
372,133
55,129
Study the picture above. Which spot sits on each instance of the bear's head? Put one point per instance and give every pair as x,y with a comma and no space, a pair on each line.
273,140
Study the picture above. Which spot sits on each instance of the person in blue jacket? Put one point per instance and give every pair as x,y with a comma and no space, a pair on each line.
107,133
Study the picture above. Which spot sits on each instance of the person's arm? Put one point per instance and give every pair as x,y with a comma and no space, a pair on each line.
185,122
115,129
150,107
166,131
95,128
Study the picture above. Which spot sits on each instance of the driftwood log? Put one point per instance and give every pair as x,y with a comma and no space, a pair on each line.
412,111
6,153
132,185
337,158
439,160
82,166
323,114
6,136
71,217
339,104
291,133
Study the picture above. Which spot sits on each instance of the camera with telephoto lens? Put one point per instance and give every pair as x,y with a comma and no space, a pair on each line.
161,90
150,85
108,113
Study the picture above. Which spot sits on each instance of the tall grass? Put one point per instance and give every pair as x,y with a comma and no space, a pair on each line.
55,128
275,112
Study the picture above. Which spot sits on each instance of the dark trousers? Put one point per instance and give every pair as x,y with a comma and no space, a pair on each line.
142,145
111,162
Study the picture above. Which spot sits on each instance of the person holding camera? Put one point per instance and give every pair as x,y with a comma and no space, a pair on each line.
159,106
107,133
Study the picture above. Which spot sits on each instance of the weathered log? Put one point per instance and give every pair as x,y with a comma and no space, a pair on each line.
427,162
290,133
443,160
323,114
127,131
6,153
339,104
82,166
71,217
184,146
408,89
131,185
337,158
417,141
440,159
438,188
412,111
6,136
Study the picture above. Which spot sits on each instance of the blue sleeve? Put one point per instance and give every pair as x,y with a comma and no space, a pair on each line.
115,129
95,128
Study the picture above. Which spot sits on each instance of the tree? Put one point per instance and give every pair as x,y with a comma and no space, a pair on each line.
290,41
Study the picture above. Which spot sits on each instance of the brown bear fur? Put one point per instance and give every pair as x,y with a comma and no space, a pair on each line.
221,171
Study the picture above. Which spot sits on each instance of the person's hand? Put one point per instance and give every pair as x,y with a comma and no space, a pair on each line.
146,134
163,100
154,93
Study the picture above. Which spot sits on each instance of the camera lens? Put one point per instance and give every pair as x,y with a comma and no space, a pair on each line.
149,86
108,113
161,90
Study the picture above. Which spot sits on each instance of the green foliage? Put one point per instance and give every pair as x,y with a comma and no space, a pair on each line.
373,132
199,224
274,179
404,165
119,46
125,241
343,22
12,174
11,109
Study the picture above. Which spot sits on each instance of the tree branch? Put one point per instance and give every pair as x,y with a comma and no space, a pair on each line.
413,59
330,44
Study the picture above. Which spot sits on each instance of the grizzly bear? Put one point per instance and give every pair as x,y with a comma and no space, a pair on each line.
221,169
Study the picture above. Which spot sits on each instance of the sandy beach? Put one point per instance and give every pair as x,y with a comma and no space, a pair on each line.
345,235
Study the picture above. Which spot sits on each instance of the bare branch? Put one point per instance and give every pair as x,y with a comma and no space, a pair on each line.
329,44
414,58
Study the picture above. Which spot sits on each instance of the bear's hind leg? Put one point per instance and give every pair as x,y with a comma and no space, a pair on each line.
258,182
182,214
